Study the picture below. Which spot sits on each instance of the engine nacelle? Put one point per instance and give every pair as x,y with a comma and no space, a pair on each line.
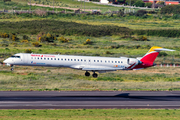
131,61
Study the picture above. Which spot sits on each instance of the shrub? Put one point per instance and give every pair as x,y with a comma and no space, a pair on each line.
88,41
28,51
176,16
25,37
107,52
4,35
39,35
141,13
4,45
45,37
13,37
142,38
121,13
63,28
24,41
63,40
36,44
163,32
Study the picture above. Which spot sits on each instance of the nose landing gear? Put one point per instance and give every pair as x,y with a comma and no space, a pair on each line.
12,68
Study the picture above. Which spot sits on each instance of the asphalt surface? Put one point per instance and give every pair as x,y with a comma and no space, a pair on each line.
90,99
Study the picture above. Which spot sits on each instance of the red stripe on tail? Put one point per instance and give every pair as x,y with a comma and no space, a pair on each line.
150,57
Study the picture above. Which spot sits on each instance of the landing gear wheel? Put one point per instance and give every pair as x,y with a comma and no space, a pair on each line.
87,73
12,69
95,75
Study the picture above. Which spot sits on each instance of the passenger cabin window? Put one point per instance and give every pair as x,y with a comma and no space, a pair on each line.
51,58
101,60
115,61
62,59
48,58
71,60
54,58
118,61
68,59
38,58
78,59
41,58
105,61
31,57
74,59
97,60
81,60
112,61
94,60
84,60
58,58
44,58
121,61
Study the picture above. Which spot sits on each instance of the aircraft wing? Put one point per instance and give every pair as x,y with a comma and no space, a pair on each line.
101,69
96,68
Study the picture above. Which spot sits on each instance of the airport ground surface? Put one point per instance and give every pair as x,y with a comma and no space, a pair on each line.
89,99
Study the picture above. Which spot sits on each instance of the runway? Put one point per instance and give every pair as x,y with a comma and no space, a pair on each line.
89,99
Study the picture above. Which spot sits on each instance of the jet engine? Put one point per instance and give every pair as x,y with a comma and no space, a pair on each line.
131,61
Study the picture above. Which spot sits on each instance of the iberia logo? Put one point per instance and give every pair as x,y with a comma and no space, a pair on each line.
33,62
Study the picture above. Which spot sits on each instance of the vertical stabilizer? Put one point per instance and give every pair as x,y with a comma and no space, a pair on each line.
151,55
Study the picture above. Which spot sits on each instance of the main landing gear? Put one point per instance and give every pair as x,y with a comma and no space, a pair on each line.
12,68
95,75
87,73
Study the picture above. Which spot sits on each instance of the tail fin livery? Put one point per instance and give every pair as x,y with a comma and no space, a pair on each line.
151,55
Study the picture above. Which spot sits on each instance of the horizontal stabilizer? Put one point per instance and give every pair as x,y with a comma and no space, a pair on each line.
162,49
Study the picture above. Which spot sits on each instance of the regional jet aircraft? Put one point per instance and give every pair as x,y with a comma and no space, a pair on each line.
86,63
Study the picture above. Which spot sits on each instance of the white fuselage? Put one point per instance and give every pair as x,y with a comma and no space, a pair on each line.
87,63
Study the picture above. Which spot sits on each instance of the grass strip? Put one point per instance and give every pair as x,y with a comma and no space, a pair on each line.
92,114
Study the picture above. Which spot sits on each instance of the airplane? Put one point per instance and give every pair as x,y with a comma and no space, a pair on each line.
86,63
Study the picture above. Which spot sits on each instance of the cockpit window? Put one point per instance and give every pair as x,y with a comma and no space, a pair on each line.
15,56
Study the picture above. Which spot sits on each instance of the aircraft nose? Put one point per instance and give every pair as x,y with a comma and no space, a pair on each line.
5,61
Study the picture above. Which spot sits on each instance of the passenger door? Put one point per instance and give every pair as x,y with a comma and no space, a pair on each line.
25,58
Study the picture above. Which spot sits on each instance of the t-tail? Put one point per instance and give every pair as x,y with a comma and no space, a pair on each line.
149,58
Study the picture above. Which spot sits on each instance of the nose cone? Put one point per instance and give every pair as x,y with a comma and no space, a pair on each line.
5,61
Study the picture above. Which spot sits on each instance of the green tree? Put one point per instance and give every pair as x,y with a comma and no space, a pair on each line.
139,3
130,2
6,0
175,9
148,4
